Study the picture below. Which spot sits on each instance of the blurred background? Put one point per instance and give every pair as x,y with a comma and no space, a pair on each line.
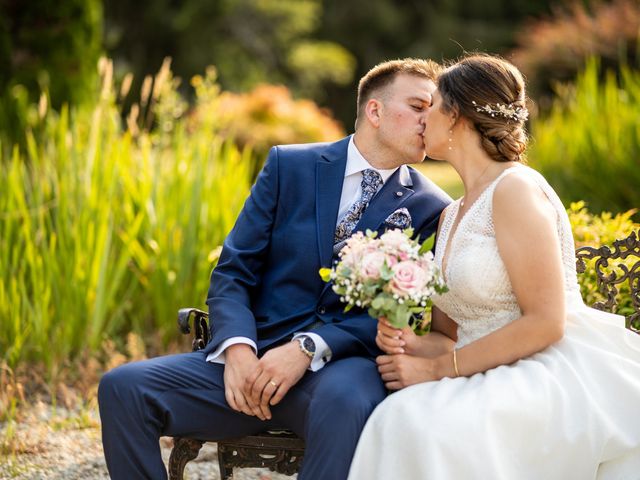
131,132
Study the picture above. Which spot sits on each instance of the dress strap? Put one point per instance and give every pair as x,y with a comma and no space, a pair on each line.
492,186
450,213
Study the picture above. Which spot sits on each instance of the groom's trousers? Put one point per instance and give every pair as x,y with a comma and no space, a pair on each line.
183,395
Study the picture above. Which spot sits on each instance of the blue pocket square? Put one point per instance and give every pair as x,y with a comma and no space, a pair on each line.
401,219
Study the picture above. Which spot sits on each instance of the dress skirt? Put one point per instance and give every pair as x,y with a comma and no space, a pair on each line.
570,412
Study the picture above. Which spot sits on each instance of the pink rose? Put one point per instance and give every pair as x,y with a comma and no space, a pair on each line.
372,263
394,239
408,279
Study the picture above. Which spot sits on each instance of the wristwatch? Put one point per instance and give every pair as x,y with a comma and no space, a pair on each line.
307,345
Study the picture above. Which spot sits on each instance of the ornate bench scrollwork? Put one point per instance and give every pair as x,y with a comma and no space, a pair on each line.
283,451
615,269
279,451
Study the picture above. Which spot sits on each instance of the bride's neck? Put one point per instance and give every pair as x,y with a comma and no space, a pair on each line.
476,169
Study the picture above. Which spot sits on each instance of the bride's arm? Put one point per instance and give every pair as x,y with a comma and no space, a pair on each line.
527,238
525,226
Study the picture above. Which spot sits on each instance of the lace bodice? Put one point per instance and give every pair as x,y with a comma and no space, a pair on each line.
480,297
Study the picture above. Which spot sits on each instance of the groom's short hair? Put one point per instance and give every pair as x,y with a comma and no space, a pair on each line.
383,74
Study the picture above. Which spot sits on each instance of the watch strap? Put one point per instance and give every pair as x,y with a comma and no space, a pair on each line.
301,340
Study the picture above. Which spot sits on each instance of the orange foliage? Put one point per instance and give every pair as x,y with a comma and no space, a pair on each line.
556,48
268,115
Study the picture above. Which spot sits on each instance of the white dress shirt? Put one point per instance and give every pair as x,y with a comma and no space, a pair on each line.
351,192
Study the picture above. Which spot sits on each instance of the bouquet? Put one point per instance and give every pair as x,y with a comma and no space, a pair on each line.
393,276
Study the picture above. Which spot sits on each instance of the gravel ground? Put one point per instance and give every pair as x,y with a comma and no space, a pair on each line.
53,443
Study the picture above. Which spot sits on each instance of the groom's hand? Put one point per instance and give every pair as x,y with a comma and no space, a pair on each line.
240,363
278,370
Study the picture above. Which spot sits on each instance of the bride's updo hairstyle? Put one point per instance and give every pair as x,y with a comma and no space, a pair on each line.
490,93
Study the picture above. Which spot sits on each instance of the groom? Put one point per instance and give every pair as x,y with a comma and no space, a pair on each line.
283,353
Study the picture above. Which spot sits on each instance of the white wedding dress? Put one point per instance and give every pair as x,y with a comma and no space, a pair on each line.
570,412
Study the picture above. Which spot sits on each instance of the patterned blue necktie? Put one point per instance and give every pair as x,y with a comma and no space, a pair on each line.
371,182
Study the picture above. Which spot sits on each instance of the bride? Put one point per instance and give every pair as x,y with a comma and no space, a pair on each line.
518,378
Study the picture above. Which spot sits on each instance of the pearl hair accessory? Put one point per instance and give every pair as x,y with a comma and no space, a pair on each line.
518,114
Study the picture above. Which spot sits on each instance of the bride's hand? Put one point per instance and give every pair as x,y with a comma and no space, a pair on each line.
395,340
400,371
388,338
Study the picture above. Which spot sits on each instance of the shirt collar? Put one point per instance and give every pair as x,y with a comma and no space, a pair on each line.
356,163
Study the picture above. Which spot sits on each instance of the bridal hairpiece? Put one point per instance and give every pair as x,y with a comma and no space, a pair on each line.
519,114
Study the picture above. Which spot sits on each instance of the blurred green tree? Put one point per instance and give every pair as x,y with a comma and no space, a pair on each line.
378,30
249,42
312,46
46,46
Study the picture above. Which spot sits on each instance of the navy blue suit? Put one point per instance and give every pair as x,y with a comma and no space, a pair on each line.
266,287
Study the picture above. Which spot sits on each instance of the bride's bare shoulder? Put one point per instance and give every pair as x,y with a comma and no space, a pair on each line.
519,194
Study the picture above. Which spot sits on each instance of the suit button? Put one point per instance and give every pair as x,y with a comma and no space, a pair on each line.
321,310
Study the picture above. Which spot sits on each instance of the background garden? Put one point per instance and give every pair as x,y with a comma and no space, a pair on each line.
131,132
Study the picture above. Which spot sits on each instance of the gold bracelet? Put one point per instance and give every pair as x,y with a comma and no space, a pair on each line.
455,363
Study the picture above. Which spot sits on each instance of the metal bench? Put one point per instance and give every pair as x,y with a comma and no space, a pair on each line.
279,450
282,451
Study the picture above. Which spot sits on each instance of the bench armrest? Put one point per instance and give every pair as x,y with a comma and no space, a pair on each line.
615,266
200,323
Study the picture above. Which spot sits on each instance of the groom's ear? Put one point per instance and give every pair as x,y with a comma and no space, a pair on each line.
373,111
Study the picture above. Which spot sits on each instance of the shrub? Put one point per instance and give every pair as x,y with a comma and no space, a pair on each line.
556,48
588,147
267,115
255,121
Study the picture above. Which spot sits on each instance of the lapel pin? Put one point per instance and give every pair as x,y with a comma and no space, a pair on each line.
399,194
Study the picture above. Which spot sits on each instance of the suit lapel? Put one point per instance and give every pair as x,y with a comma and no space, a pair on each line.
329,179
395,192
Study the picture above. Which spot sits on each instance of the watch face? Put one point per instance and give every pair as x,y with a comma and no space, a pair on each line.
309,345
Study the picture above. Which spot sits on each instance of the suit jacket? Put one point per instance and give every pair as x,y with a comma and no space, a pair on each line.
266,285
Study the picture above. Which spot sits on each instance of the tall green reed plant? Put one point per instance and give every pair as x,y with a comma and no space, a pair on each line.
588,147
106,229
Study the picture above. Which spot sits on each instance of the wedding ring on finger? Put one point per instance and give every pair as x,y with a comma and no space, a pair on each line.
275,385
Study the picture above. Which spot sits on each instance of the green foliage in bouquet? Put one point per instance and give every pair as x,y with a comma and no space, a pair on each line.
588,147
596,230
